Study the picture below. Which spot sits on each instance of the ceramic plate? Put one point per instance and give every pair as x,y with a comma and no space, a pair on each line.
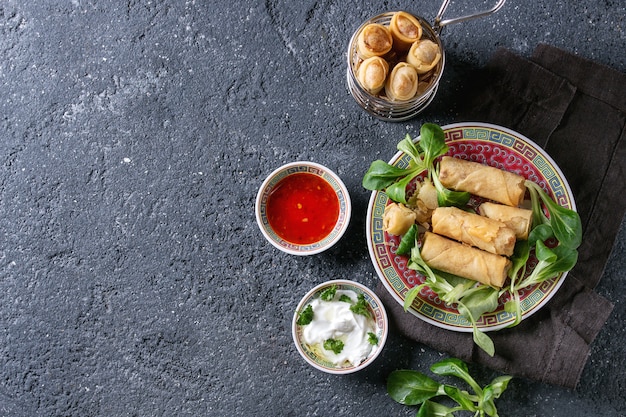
495,146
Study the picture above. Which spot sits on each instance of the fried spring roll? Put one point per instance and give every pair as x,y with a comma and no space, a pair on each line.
482,180
484,233
372,74
424,55
402,82
374,40
516,218
405,29
456,258
398,219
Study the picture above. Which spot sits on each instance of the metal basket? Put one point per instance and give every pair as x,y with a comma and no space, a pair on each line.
395,111
380,106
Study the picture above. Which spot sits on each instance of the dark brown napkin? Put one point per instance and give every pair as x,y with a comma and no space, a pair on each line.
576,110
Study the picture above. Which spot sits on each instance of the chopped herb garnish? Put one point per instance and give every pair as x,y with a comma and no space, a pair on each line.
372,338
360,307
334,345
345,298
329,293
306,316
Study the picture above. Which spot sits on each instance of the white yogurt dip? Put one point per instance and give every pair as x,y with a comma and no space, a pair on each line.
334,320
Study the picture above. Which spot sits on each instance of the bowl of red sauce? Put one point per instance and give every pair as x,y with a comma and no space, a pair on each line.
303,208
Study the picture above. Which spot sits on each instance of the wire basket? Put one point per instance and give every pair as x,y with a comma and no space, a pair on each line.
381,106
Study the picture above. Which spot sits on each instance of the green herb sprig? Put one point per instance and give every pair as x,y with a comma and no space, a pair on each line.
306,316
329,293
415,388
394,180
360,307
334,345
345,299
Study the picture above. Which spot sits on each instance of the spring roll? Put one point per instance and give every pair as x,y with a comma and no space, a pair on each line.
456,258
516,218
424,55
482,232
405,29
398,219
372,74
482,180
402,82
374,40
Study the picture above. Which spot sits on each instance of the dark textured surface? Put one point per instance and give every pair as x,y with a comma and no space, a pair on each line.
134,137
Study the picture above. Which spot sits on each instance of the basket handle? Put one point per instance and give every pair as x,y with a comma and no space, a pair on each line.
439,23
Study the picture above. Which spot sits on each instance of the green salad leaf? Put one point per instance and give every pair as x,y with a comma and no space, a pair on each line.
411,388
446,197
565,223
480,338
480,299
457,368
433,409
381,174
551,263
409,147
397,190
394,180
562,224
433,142
408,241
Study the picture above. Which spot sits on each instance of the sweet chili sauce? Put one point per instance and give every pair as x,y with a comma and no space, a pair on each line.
303,208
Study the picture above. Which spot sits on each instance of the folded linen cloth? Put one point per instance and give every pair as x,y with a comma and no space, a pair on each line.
576,110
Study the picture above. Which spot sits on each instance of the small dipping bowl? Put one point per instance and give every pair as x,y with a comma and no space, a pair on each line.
311,354
303,208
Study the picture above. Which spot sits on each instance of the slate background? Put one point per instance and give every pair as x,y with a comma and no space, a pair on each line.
133,138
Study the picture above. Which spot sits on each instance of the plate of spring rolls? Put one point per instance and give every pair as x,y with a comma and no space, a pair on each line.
491,163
